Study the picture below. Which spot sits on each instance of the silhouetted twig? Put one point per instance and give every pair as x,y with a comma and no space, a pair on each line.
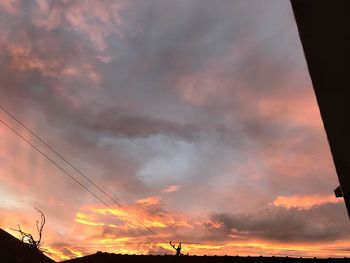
28,238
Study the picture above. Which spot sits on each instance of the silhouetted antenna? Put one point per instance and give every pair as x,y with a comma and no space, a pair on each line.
73,167
73,178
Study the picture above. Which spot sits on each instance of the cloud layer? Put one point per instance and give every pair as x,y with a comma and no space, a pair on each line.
198,117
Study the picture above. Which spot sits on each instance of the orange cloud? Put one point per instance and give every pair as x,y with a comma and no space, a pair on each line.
131,216
242,248
26,178
149,201
304,201
261,247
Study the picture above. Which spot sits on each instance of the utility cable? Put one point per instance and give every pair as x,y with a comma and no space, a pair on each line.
73,167
72,177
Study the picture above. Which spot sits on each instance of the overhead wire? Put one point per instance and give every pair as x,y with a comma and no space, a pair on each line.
73,167
58,154
94,184
81,174
67,173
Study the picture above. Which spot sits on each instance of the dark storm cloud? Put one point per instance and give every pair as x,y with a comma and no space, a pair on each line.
326,222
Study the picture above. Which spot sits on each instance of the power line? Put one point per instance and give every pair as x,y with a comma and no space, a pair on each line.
60,155
72,177
73,167
53,162
96,186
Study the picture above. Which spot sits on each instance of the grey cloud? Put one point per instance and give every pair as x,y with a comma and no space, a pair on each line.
141,75
118,124
198,31
326,222
135,117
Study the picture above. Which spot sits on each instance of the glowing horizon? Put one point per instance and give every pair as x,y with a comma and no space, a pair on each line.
197,118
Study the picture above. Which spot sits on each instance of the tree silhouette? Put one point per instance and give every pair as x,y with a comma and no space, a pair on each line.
178,248
28,238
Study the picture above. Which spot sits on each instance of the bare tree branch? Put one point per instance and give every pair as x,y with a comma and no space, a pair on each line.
28,238
40,227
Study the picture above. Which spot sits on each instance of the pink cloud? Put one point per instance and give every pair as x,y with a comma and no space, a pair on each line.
23,59
298,110
48,17
171,189
106,12
10,6
222,94
304,201
203,87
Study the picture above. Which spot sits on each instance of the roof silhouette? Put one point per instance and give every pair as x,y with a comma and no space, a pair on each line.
102,257
325,35
12,250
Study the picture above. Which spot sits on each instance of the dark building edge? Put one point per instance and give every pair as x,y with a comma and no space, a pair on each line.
324,29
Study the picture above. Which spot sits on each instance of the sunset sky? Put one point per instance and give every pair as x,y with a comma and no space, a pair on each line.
197,116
